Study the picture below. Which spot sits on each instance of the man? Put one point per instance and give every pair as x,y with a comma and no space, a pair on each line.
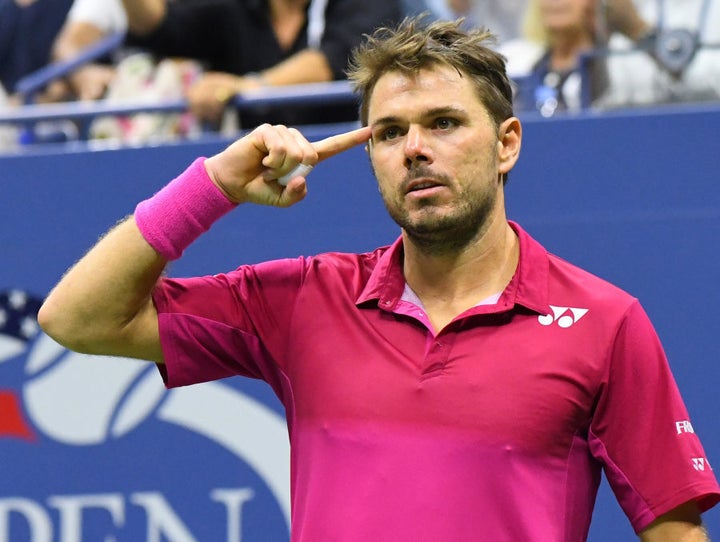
431,391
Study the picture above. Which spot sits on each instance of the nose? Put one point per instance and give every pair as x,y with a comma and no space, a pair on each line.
416,147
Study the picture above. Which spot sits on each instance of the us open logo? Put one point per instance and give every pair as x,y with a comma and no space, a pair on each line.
82,437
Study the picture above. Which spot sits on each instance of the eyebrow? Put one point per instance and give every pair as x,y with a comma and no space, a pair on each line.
430,113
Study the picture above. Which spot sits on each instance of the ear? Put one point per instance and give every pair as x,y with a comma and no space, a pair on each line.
509,141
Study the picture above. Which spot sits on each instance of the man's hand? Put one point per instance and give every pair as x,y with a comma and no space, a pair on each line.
247,171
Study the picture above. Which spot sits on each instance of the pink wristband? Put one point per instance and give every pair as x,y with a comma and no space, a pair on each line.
182,211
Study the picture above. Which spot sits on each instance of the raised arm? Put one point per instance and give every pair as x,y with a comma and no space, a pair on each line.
103,303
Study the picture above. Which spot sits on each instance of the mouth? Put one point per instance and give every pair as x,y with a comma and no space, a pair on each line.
422,185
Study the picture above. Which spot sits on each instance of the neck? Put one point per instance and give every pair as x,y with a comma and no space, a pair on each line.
450,283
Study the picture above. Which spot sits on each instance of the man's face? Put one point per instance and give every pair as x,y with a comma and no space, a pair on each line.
434,150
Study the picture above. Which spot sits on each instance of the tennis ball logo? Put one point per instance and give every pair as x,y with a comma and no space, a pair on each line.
76,399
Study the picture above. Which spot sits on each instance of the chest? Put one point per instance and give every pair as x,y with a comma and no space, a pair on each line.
505,378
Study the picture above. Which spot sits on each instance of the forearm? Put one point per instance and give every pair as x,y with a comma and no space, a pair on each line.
73,38
144,16
102,305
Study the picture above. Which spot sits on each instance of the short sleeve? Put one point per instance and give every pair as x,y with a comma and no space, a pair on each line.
225,325
641,431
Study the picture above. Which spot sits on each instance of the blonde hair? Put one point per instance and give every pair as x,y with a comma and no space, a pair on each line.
532,27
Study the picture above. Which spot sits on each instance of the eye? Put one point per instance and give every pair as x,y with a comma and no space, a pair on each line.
391,132
445,123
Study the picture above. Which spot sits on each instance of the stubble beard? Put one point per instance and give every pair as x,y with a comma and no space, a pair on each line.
445,231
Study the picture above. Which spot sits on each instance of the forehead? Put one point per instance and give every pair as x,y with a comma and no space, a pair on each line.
402,94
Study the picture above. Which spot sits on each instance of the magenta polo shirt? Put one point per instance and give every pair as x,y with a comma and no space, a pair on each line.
495,428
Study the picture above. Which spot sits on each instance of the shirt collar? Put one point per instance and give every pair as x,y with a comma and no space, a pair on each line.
528,287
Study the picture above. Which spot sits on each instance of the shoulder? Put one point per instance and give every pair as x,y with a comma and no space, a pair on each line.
321,267
549,279
342,262
570,286
565,274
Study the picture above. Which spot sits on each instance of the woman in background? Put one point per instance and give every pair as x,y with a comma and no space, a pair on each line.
550,62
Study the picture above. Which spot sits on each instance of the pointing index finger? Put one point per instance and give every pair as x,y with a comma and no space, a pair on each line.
330,146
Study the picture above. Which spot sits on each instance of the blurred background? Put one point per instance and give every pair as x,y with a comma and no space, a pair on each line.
103,101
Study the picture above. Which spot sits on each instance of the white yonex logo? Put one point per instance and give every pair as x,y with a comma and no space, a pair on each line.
564,316
684,426
699,463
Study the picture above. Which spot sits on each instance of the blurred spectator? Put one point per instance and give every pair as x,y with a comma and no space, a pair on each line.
27,31
501,17
632,55
236,45
248,44
558,37
87,22
125,75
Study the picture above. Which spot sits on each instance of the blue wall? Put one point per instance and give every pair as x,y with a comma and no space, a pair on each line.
631,197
